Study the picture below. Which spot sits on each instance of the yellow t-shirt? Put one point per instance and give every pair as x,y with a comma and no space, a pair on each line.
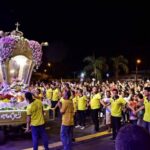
40,96
81,102
61,99
75,103
55,96
95,101
41,88
116,106
147,110
35,110
68,115
49,93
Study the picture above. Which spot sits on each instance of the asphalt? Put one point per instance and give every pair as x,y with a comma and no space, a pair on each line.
101,143
85,139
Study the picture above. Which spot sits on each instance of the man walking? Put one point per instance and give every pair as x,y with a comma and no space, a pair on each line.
67,111
35,120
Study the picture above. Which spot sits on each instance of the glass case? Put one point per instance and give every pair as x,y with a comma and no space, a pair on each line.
19,68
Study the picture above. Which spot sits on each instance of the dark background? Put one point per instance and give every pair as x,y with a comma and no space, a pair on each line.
77,29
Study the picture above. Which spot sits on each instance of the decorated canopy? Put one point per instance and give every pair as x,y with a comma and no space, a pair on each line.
18,56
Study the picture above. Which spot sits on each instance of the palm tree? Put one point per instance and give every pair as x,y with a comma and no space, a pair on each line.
119,63
96,66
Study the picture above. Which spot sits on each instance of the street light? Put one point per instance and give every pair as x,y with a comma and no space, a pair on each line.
82,75
138,61
48,64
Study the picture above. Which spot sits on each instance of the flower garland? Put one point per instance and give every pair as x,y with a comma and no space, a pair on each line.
36,52
7,45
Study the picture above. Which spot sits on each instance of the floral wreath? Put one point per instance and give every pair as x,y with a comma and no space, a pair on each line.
36,52
8,43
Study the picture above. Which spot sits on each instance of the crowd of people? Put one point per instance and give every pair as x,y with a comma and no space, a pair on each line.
126,102
120,102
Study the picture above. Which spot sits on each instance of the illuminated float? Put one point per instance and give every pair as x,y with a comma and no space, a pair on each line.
18,57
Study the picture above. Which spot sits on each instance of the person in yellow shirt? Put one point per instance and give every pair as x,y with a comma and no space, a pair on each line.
146,118
67,111
81,109
35,120
55,99
74,100
38,94
94,103
55,96
117,103
49,92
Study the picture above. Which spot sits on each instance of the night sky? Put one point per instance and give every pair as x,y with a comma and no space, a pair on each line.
75,30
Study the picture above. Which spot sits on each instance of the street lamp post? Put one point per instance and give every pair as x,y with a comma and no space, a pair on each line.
138,61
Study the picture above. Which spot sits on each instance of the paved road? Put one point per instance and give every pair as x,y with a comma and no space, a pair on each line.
102,143
17,141
96,144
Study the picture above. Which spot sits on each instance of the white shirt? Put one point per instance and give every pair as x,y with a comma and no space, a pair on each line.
107,100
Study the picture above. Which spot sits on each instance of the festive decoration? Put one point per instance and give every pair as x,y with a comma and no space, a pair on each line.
18,56
7,45
36,52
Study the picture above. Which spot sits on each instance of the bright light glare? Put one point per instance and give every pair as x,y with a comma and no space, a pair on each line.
107,75
49,64
44,44
138,61
94,79
20,60
82,75
12,71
